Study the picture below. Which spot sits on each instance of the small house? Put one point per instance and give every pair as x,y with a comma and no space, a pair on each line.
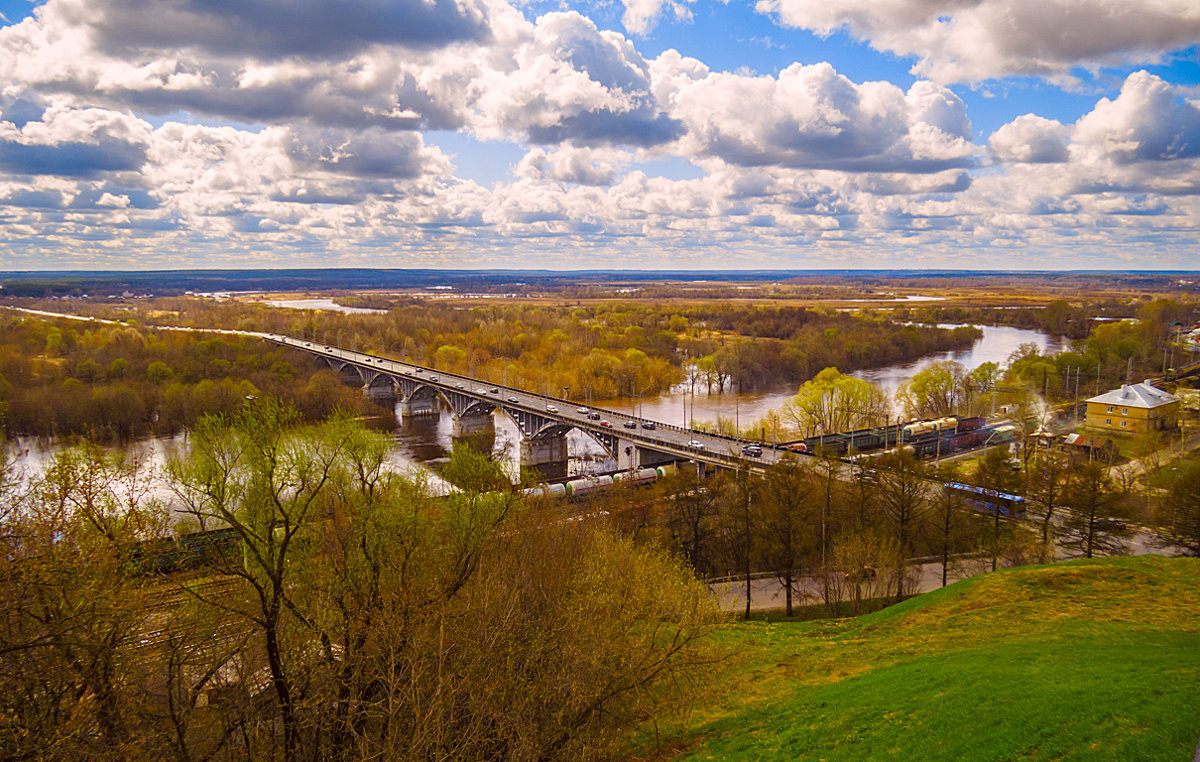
1091,448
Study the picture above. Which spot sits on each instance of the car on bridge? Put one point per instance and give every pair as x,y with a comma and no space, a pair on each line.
514,400
593,416
753,450
648,425
630,424
695,444
582,410
551,409
606,424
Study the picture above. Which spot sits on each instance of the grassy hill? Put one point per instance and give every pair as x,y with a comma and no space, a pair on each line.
1095,660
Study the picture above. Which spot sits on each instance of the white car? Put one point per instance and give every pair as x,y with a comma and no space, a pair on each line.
551,409
582,411
695,444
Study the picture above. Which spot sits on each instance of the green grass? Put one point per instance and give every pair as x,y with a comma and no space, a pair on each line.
1095,660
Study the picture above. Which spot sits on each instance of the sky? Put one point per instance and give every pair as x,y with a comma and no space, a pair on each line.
605,134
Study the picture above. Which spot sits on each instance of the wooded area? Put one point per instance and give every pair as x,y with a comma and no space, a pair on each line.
352,616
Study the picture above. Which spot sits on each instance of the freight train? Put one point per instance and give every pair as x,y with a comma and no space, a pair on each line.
589,484
925,438
188,551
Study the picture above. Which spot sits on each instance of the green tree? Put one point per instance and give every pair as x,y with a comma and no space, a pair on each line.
833,402
258,475
934,391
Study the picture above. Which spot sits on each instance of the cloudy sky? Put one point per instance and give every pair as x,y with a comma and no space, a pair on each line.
640,134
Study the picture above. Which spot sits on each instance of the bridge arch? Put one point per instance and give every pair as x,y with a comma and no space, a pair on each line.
538,429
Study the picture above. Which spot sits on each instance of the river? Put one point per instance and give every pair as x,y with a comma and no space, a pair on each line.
323,304
424,443
996,344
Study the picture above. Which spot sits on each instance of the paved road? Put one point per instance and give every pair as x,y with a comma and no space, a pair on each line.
767,593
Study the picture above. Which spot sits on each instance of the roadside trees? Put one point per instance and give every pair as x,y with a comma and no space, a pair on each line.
952,524
1180,511
693,517
904,488
868,564
996,473
1091,526
1049,477
789,523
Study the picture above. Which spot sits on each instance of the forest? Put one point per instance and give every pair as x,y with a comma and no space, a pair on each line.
64,378
351,617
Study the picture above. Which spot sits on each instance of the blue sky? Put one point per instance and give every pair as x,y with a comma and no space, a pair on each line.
1025,134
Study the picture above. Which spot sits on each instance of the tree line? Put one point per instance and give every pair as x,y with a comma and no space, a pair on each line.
119,382
603,351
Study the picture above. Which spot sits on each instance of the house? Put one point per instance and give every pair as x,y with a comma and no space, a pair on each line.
1134,408
1091,448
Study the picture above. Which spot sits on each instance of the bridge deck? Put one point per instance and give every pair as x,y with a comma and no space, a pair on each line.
664,437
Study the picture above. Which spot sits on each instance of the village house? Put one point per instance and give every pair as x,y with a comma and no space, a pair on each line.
1134,408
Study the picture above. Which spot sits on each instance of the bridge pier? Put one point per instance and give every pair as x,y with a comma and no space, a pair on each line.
419,407
473,425
543,451
648,458
375,391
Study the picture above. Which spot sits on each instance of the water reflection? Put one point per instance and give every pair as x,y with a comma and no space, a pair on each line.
997,343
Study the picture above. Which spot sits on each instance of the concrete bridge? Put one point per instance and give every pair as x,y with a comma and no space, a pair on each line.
542,420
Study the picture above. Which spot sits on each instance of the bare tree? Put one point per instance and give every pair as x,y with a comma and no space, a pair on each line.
789,523
1049,477
871,563
74,616
1179,513
904,496
1091,525
260,477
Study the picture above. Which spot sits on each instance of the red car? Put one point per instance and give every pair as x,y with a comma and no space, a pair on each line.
606,424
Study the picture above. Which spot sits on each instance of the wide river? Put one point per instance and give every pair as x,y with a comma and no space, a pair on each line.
423,443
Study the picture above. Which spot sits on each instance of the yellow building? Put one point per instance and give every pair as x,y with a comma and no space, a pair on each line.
1134,408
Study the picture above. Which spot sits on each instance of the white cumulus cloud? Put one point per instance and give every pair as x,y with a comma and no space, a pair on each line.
975,40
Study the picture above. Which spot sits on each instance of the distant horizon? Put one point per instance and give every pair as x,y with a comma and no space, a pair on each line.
604,271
